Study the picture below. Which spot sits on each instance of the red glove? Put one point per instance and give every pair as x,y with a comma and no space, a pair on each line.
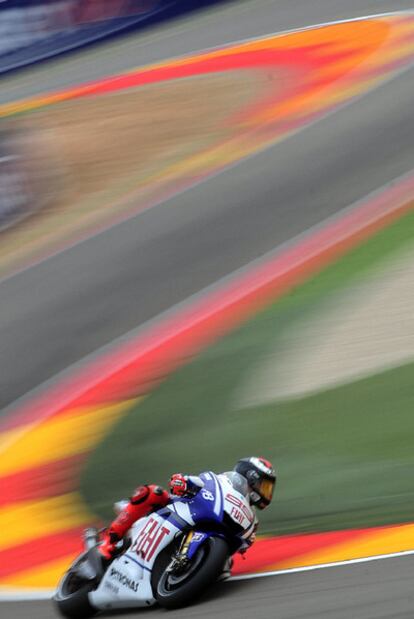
178,484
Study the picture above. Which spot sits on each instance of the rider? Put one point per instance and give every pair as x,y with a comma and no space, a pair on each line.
258,472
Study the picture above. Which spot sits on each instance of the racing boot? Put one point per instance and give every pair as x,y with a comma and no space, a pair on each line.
226,573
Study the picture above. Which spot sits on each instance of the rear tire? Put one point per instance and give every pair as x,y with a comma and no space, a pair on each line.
171,592
76,606
71,597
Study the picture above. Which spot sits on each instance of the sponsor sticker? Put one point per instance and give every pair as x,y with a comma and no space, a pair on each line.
123,579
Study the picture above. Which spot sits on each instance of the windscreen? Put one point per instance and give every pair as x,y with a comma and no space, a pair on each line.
238,482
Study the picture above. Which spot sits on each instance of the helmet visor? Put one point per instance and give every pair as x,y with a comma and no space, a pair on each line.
265,489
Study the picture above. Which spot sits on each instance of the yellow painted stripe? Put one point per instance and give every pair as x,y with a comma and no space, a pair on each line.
61,437
44,576
33,519
385,541
10,436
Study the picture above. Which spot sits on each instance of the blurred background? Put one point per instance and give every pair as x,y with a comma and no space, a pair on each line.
149,160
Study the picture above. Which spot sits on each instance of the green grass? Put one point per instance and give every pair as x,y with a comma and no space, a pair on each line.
344,456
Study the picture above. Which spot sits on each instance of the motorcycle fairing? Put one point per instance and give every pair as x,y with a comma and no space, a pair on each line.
125,584
127,581
197,540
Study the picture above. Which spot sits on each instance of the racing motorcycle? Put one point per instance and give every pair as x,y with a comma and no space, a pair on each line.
170,557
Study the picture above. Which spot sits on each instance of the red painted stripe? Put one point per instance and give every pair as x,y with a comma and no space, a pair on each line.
41,482
37,552
230,62
266,552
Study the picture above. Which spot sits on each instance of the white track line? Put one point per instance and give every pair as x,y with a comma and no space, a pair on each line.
321,566
46,594
14,595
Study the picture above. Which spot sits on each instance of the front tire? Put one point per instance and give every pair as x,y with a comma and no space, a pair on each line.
206,567
71,597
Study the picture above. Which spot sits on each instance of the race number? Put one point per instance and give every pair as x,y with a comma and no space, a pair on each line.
207,495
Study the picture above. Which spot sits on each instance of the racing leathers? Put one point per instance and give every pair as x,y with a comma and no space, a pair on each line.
145,500
149,498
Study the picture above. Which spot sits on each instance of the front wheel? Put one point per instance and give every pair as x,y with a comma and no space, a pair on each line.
71,597
177,590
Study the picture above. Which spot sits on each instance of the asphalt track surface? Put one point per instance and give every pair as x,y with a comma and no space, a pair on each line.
57,312
375,590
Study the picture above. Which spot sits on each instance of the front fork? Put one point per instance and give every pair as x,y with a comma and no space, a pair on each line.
180,559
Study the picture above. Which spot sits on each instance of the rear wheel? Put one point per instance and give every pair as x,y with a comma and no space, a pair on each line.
71,597
175,590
